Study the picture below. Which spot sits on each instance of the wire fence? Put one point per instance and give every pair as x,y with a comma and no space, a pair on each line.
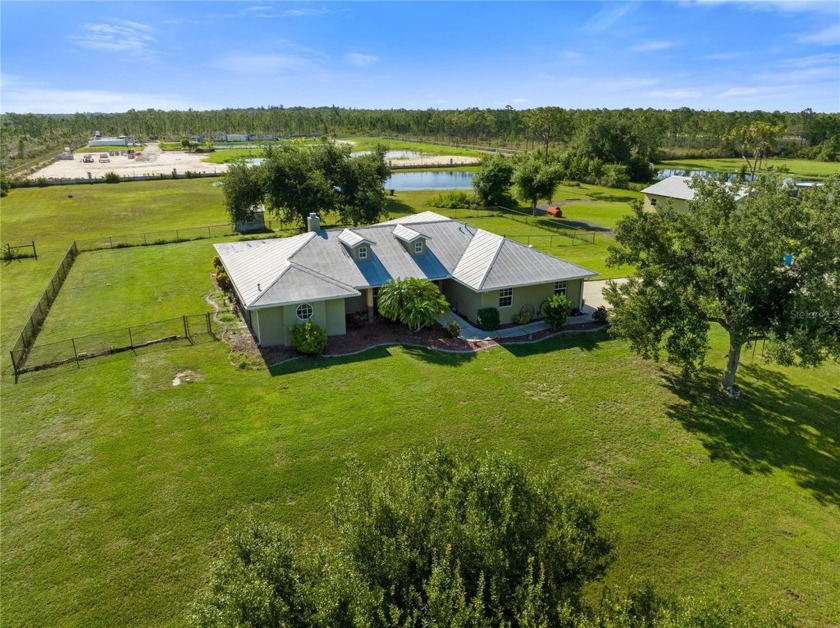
564,234
27,336
80,348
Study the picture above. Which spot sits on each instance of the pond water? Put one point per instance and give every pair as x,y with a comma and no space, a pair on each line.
433,180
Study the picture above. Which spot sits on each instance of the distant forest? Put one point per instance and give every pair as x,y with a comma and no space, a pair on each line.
659,133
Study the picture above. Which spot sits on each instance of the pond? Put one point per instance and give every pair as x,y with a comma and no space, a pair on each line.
433,180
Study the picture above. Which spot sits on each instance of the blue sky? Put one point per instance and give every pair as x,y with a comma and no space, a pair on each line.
63,57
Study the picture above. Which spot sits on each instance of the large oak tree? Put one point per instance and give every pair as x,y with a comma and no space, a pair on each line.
765,267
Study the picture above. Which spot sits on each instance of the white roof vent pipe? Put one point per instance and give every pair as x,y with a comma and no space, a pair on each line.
313,223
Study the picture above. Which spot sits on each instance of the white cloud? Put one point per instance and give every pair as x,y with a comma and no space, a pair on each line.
606,17
785,6
266,64
738,91
677,94
828,36
571,54
723,56
305,12
123,36
829,59
360,59
518,101
259,8
652,46
26,97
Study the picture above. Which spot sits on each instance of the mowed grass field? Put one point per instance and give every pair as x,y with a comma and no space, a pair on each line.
796,167
117,486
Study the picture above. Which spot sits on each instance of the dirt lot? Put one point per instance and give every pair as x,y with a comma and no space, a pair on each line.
152,161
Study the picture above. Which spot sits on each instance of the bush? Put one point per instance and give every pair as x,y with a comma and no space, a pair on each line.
615,176
223,281
487,319
309,338
217,263
456,199
41,181
5,185
523,318
556,310
453,329
600,314
112,177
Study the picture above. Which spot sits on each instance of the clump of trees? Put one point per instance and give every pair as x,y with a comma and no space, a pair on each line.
438,538
413,302
296,179
765,267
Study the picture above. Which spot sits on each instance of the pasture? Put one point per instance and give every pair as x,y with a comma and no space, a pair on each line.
118,485
796,167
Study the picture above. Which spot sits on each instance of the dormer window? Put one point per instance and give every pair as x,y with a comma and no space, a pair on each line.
418,246
363,251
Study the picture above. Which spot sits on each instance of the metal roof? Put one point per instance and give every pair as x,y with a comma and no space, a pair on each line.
478,259
401,232
351,238
317,265
672,187
415,218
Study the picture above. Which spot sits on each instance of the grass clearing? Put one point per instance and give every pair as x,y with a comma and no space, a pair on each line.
118,485
796,167
361,143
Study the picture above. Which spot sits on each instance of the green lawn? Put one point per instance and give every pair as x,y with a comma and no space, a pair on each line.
369,143
117,485
797,167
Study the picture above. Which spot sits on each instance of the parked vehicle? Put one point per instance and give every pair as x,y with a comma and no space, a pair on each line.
88,159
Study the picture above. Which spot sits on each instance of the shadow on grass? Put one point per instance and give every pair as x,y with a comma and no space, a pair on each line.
612,197
584,341
395,206
778,425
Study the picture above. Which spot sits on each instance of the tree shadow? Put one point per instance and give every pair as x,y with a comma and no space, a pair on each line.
612,197
584,341
776,425
395,207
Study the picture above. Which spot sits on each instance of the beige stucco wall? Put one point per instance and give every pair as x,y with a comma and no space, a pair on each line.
470,302
271,324
661,200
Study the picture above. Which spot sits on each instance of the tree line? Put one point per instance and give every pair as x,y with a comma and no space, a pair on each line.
682,132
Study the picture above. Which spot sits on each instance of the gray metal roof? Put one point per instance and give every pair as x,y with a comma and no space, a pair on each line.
672,187
318,266
351,238
401,232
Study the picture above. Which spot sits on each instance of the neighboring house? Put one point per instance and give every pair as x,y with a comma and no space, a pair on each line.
674,189
326,275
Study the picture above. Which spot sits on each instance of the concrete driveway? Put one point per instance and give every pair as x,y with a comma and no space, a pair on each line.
593,294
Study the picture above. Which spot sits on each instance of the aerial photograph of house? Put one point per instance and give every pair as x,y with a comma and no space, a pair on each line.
420,313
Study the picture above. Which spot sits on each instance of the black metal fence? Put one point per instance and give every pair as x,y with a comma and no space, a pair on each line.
27,336
76,350
18,251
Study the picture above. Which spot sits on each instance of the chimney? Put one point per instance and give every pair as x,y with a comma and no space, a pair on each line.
313,223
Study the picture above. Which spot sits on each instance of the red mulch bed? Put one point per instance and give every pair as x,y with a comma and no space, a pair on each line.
384,333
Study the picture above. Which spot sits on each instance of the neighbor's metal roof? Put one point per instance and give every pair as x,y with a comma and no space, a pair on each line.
415,218
672,187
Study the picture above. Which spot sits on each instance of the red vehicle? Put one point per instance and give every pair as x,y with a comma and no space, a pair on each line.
554,210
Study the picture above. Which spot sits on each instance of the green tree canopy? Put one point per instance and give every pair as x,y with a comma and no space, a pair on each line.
296,179
493,180
765,267
535,180
413,302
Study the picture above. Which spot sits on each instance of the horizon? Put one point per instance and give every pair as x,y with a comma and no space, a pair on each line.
708,55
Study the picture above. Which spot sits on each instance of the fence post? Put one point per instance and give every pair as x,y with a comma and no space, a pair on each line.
130,338
75,354
14,366
34,252
186,327
207,316
110,242
177,236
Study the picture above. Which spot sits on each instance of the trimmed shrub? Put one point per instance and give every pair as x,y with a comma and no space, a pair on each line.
487,319
223,280
600,314
523,318
453,329
309,338
556,310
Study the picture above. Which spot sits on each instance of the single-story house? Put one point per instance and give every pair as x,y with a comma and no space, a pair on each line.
675,189
325,275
